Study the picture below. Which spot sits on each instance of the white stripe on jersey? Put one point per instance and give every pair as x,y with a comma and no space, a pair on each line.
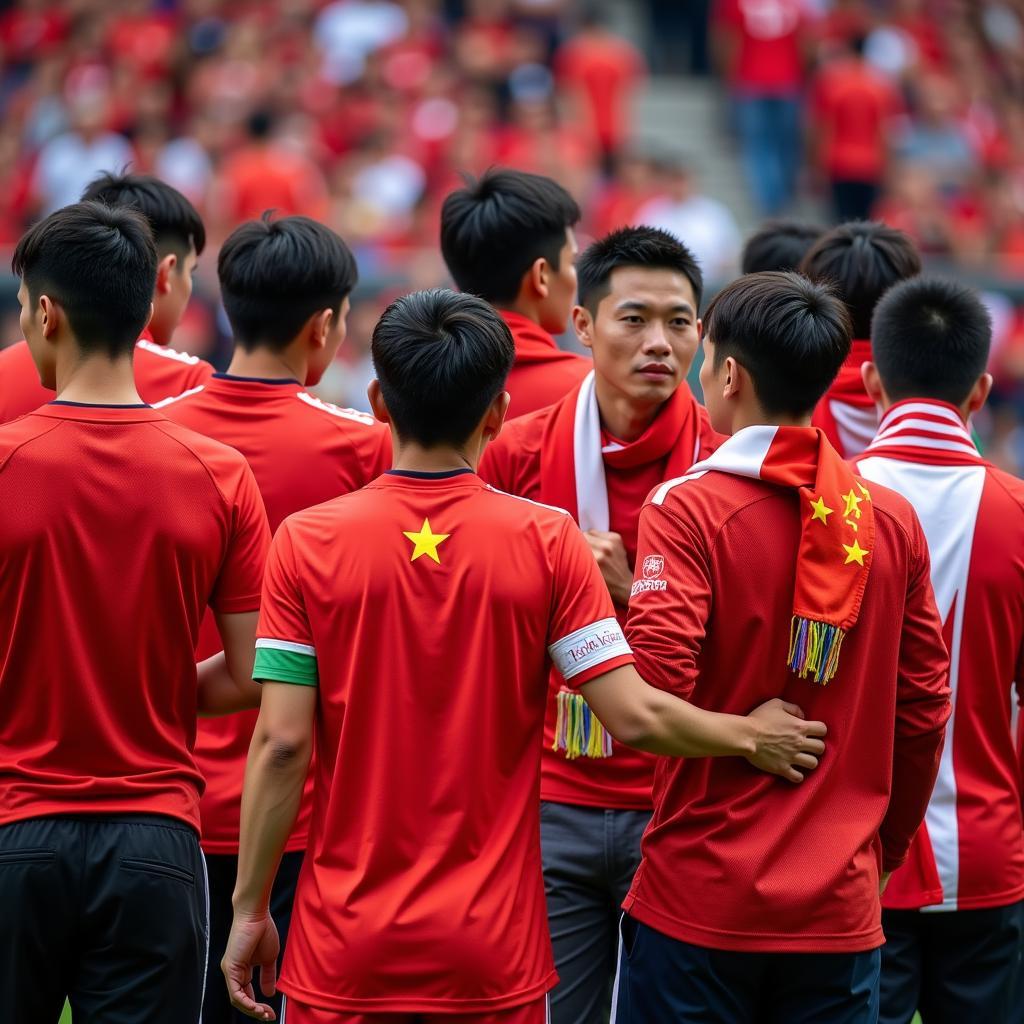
946,499
284,645
167,353
336,410
177,398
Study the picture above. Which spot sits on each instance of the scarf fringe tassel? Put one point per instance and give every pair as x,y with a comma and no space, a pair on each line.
577,729
814,649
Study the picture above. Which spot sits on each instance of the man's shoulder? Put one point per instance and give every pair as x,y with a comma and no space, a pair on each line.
521,437
221,460
329,417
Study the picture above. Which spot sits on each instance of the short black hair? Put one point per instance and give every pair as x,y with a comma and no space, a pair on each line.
642,247
930,338
99,264
779,245
862,260
494,228
275,274
177,226
790,334
441,358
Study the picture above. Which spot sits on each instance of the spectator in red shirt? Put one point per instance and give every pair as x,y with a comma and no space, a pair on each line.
761,48
852,109
600,72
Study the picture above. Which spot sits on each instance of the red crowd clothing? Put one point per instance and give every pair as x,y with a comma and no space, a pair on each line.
159,372
516,463
852,106
972,842
436,600
846,412
772,867
542,373
537,1012
118,528
302,451
768,59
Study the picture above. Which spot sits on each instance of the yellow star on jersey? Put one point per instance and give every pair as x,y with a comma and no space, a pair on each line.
852,504
426,542
854,553
821,511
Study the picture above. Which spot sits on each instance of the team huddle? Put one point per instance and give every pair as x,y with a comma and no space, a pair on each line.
546,692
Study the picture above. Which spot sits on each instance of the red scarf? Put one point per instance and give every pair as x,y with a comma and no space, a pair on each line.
924,430
848,386
837,531
572,476
573,458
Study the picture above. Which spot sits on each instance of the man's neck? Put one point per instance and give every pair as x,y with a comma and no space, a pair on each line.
97,380
757,418
525,307
414,458
623,418
268,365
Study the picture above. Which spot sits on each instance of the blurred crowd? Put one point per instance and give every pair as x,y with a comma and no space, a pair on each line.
363,113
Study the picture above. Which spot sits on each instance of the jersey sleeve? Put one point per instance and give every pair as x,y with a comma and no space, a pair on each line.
670,600
585,639
284,640
922,708
237,588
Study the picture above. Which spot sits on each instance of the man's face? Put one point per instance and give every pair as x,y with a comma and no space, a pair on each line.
645,333
561,287
31,322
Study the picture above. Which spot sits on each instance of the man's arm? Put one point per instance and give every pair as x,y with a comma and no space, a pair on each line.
275,775
773,737
922,709
225,680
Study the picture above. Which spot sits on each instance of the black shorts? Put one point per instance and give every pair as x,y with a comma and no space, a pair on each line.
109,911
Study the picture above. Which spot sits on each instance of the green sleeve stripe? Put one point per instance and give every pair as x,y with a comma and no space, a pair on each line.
285,667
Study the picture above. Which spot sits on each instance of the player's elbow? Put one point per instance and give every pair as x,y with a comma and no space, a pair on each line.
634,723
284,752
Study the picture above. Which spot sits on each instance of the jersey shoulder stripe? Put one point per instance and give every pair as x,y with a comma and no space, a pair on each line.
353,415
177,398
529,501
168,353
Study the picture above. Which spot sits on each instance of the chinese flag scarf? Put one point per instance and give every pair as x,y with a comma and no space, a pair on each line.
837,531
572,476
573,457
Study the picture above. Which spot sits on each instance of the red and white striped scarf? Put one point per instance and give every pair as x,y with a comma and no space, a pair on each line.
837,530
924,430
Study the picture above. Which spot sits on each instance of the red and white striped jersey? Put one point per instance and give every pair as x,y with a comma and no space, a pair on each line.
972,842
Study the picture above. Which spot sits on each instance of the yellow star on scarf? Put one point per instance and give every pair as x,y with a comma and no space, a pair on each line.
425,542
865,492
821,511
852,504
854,553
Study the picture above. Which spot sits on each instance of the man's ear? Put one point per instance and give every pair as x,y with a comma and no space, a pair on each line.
700,331
979,393
319,328
583,324
537,277
380,409
731,378
51,314
494,419
873,383
167,266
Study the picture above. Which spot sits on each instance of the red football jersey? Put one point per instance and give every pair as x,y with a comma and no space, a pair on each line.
118,528
513,464
303,451
427,609
972,842
159,371
542,373
736,859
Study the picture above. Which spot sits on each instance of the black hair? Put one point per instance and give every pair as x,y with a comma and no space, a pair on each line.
862,260
494,228
275,274
930,339
441,358
790,334
642,247
779,245
99,264
177,226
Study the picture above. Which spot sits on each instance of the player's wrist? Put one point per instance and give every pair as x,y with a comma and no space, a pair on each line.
750,734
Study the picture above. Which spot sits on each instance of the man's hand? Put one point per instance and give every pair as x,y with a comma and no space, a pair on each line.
611,557
785,742
253,942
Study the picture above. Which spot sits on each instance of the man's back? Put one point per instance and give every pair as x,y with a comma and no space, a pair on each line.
973,518
159,371
437,753
118,526
302,451
771,868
